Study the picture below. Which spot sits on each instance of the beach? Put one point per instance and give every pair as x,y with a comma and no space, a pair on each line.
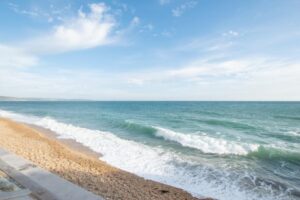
80,166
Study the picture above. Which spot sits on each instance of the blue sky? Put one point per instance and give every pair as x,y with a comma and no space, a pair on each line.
151,50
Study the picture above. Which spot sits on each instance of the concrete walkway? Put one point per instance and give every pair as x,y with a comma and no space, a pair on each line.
38,183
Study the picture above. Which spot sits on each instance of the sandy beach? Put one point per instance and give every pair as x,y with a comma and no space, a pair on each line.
81,166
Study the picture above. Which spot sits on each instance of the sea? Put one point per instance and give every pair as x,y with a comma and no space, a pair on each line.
224,150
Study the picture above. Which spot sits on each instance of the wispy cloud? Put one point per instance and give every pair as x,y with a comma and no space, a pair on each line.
236,79
86,30
231,33
214,45
231,79
50,14
164,2
94,27
135,21
15,8
205,44
215,69
210,70
178,11
12,57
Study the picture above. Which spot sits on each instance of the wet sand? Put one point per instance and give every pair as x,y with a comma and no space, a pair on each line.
80,165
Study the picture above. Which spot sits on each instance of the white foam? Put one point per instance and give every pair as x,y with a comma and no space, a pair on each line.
155,163
18,117
205,143
293,133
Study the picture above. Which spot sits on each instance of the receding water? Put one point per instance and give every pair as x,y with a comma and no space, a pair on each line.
226,150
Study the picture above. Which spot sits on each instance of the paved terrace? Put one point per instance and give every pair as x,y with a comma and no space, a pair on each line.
22,180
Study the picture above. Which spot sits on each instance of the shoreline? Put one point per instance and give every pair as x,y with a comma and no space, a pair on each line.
72,144
80,165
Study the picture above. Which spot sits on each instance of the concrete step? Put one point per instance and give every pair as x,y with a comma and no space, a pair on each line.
21,194
43,184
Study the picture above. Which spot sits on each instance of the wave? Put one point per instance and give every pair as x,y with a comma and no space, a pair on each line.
287,117
272,153
293,133
209,113
138,128
205,143
227,124
160,164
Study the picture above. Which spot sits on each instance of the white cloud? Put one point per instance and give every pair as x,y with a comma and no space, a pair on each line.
50,15
146,28
231,33
220,46
76,84
166,33
213,70
164,2
135,21
217,69
237,79
16,9
178,11
87,30
136,81
11,57
150,27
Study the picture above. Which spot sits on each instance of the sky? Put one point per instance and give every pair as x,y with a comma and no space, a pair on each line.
150,50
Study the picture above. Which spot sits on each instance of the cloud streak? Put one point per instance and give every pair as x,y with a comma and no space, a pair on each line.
211,71
52,14
164,2
178,11
12,57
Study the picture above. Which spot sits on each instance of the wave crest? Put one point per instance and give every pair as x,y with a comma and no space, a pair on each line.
206,144
272,153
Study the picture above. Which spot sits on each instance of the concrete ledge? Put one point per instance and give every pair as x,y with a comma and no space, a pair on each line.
43,184
14,195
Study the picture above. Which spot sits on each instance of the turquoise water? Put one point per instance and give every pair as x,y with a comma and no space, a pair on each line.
226,150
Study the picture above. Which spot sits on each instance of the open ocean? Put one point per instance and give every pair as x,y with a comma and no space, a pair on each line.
225,150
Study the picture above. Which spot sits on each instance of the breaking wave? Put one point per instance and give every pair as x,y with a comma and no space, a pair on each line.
205,143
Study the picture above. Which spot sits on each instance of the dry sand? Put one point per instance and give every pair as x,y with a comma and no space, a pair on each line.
81,168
